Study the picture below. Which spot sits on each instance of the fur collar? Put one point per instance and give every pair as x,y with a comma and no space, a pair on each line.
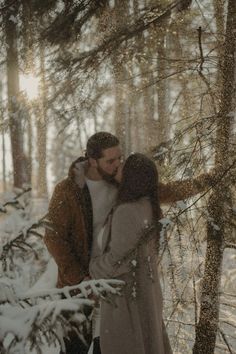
77,171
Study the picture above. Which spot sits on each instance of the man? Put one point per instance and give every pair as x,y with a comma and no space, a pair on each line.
77,211
80,205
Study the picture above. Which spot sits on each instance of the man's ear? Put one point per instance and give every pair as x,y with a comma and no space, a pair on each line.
92,162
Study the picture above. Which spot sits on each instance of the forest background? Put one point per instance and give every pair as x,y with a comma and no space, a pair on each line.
161,76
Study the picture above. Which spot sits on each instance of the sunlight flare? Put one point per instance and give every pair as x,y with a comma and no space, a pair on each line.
30,85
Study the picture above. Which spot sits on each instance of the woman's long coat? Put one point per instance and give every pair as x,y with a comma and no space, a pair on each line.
131,323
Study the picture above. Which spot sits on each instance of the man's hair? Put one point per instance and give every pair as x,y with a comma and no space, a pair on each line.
99,142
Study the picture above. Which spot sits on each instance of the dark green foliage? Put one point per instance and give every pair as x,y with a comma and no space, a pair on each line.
68,23
41,7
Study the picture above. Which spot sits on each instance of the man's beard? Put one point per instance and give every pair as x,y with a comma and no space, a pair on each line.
108,178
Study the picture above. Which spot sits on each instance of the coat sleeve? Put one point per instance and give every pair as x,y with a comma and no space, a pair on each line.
57,237
126,231
179,190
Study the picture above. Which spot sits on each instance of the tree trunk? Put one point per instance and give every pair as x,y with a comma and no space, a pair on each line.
121,86
120,113
28,67
206,330
3,144
28,35
220,30
13,95
42,190
162,104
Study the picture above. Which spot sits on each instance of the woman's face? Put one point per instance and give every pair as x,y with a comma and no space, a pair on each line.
118,176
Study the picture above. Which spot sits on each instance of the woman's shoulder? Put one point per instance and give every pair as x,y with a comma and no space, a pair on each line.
132,217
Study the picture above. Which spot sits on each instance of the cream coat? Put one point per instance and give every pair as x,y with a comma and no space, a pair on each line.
132,323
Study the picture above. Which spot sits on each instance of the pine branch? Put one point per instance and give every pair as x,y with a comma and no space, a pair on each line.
4,8
230,245
21,238
15,200
154,17
30,318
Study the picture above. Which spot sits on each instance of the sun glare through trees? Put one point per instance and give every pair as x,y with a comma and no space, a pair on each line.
29,84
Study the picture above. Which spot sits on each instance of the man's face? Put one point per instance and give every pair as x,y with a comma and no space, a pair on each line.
108,164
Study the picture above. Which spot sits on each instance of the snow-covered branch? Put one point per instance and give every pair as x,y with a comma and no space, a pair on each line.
31,318
13,200
230,245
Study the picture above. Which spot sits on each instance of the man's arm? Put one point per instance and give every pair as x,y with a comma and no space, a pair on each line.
57,238
179,190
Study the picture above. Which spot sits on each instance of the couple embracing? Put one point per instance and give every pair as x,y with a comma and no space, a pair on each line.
104,219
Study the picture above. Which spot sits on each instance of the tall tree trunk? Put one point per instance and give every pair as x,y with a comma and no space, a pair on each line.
28,34
220,31
120,77
137,120
28,68
162,104
154,96
13,94
206,330
3,143
42,190
120,113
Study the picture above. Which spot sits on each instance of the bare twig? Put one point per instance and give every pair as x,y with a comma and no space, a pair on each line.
225,340
200,47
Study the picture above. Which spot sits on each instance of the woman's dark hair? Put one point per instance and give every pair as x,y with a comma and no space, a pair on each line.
99,142
140,179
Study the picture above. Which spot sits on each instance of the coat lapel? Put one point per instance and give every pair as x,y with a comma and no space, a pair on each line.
107,233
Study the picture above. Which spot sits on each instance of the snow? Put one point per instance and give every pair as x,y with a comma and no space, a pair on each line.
47,280
2,208
181,205
134,262
161,152
31,307
30,303
43,308
165,222
13,19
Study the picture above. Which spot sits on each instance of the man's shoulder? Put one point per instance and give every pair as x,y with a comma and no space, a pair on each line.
65,186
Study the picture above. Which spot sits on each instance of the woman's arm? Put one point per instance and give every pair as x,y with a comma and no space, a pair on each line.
179,190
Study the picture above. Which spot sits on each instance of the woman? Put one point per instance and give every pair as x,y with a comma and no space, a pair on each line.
132,323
